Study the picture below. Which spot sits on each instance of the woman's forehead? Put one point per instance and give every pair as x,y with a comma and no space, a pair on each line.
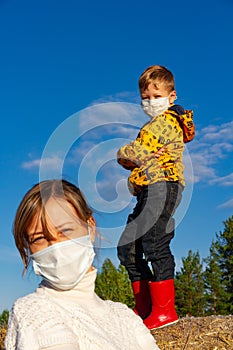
57,212
59,209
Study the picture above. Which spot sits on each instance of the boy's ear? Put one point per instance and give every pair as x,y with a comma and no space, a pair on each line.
172,97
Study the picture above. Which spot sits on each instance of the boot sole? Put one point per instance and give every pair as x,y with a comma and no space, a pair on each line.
165,325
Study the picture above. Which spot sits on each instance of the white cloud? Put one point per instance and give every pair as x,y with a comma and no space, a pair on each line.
31,164
201,167
125,96
91,141
101,178
212,145
228,204
224,180
105,114
53,163
223,132
79,152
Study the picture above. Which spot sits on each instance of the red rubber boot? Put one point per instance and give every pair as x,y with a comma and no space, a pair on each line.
163,305
142,298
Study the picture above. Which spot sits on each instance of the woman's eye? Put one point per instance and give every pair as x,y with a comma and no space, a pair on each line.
66,231
36,239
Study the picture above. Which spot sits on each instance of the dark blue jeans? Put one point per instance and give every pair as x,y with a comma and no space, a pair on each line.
149,231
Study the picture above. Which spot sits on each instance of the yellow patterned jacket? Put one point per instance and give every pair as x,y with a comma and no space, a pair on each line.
167,131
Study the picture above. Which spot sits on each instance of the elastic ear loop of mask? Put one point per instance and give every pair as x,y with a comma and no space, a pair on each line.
89,229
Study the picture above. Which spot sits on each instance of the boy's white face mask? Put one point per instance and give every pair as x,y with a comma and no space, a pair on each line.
155,107
64,264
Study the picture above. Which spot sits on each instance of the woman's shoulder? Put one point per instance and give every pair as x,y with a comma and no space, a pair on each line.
28,304
32,298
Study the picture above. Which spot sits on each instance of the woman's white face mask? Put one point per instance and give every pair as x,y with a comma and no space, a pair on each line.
155,107
64,264
64,259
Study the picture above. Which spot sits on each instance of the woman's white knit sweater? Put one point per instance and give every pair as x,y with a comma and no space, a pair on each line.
76,319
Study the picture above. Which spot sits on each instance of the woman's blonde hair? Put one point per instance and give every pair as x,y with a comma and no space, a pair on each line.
33,203
155,74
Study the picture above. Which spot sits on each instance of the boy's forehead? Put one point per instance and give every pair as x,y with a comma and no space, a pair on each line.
155,85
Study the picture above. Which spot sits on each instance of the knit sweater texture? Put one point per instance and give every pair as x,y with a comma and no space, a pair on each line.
76,319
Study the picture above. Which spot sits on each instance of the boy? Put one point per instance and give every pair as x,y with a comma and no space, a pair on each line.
155,161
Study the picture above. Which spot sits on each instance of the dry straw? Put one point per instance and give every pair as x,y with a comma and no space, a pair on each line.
197,333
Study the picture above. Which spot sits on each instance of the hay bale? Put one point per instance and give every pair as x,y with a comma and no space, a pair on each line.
2,336
197,333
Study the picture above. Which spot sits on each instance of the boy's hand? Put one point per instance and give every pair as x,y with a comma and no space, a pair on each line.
154,155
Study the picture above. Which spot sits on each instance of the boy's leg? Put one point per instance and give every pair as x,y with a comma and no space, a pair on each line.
156,241
129,249
130,254
156,245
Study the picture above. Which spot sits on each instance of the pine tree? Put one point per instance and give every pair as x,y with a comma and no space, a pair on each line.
113,284
106,281
215,290
189,285
4,317
224,247
125,289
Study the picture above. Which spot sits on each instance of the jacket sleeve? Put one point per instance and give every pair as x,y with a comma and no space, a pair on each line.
131,155
152,137
136,152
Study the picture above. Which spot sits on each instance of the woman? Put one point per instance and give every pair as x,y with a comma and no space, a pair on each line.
55,229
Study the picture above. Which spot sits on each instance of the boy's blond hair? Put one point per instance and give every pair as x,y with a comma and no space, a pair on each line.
156,74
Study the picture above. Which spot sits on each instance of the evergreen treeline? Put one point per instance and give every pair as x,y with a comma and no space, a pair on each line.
202,287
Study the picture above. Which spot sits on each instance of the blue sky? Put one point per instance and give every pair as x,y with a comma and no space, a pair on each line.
67,62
